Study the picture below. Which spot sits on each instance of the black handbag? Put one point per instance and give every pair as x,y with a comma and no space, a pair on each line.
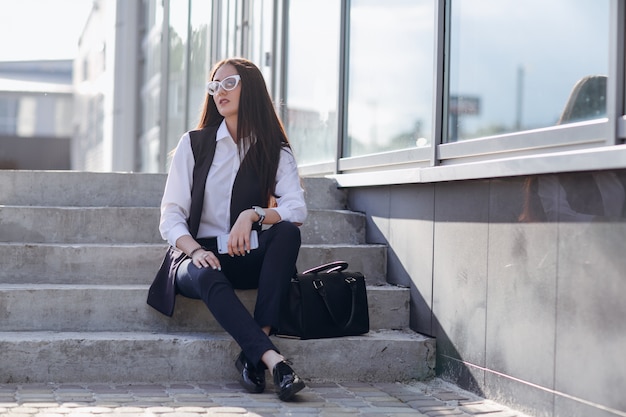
325,301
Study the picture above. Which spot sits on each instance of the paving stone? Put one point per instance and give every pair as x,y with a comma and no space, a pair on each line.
392,411
39,404
388,404
228,400
449,396
35,401
481,408
126,410
160,410
425,402
447,412
24,410
190,409
339,411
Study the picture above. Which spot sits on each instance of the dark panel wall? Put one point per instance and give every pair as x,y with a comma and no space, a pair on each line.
521,281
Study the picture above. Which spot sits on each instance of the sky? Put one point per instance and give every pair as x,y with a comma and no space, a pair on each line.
41,29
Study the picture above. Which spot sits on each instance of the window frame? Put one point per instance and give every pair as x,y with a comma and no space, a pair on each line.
597,144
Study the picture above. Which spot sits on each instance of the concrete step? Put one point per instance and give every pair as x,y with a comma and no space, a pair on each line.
79,224
78,251
57,263
36,224
99,189
28,307
40,357
81,189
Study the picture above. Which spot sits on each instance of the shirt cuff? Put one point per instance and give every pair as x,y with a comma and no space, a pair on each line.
176,233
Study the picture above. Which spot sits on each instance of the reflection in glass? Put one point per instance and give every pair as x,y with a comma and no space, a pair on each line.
177,86
575,197
313,79
261,38
390,76
150,93
586,101
199,65
513,65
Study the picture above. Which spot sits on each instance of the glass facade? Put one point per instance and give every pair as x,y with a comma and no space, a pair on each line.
29,115
404,84
261,37
312,84
150,87
518,66
390,76
177,72
199,58
8,115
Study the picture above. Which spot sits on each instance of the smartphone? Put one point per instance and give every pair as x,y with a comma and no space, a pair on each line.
222,242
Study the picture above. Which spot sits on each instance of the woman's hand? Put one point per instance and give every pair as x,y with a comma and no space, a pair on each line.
205,259
239,238
199,256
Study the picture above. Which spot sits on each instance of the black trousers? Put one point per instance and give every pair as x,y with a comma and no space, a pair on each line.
268,268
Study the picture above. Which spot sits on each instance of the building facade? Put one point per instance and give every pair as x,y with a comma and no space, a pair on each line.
484,139
36,105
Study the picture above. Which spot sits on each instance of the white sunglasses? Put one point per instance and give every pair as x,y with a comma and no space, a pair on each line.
228,84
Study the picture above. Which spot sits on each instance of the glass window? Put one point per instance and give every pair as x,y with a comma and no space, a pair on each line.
523,65
261,34
312,89
390,76
177,86
199,65
8,115
229,39
150,91
29,111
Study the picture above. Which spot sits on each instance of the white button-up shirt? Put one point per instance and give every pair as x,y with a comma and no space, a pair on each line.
215,218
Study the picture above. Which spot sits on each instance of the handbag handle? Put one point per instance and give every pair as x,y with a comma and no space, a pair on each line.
351,282
335,266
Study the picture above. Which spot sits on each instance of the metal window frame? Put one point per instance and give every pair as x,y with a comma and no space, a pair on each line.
595,144
526,152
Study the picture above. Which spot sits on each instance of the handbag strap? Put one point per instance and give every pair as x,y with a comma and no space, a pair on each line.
318,284
335,266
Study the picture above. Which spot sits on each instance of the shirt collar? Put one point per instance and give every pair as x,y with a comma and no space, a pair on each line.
222,132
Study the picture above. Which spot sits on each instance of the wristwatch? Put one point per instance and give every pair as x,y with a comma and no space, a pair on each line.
258,210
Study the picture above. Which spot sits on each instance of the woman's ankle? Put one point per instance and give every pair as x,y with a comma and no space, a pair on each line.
271,358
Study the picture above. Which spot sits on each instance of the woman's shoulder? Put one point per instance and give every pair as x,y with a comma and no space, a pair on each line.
207,130
199,137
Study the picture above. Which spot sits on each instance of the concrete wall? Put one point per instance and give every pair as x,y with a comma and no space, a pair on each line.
34,153
525,300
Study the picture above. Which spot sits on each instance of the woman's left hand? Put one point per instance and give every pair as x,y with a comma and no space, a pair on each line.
239,239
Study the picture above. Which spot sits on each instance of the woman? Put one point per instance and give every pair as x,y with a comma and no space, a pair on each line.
231,176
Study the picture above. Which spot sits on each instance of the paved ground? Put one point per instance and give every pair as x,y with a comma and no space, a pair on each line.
434,398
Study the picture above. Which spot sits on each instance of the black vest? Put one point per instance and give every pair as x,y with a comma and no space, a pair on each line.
246,189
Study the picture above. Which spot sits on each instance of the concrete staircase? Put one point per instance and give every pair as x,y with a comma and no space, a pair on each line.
78,251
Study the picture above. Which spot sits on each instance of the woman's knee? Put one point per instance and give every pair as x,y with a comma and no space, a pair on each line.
289,232
200,279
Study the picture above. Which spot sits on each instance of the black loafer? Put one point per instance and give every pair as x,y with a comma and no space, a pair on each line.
286,382
252,379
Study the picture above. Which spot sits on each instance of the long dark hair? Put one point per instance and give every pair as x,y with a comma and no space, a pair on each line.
258,125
